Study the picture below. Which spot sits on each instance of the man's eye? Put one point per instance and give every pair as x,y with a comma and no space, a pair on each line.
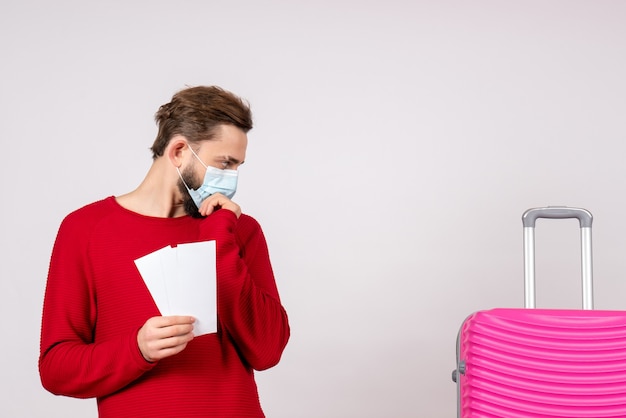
225,164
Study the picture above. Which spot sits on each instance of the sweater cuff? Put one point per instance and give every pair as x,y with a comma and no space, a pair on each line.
226,216
135,353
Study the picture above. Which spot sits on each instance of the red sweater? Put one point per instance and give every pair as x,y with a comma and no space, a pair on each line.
96,301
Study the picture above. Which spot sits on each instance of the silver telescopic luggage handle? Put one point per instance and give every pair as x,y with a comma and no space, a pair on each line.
557,212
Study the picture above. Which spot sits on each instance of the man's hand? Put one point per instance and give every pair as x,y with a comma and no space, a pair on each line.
164,336
218,201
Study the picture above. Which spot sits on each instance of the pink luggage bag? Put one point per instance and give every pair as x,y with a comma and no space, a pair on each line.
543,363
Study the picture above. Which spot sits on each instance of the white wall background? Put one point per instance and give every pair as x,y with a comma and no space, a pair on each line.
396,146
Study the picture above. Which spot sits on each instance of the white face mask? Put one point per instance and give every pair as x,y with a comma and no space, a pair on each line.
215,181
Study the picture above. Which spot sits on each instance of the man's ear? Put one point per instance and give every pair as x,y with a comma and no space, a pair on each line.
175,148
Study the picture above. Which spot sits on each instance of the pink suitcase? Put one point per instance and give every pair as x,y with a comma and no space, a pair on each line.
543,363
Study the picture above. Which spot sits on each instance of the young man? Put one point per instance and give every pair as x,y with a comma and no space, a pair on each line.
102,334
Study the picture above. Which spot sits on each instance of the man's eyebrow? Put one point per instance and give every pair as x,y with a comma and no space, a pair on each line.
230,159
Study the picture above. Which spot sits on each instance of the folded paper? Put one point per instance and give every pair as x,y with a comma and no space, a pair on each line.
182,281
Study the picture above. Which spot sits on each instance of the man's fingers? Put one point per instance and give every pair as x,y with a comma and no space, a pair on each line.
164,321
171,342
167,326
217,201
164,336
168,321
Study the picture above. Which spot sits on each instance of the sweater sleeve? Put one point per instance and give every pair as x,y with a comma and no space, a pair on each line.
71,363
249,307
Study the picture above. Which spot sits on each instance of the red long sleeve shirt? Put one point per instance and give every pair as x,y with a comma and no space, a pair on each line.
96,301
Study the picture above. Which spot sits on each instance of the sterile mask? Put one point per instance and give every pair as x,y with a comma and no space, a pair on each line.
215,181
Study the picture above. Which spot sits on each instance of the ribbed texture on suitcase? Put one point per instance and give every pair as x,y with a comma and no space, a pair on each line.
540,363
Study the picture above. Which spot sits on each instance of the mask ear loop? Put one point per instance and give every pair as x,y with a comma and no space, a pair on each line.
196,155
182,179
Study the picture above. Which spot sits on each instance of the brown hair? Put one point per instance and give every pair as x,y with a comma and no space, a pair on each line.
196,112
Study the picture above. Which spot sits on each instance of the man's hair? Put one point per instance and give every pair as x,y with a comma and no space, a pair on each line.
196,113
